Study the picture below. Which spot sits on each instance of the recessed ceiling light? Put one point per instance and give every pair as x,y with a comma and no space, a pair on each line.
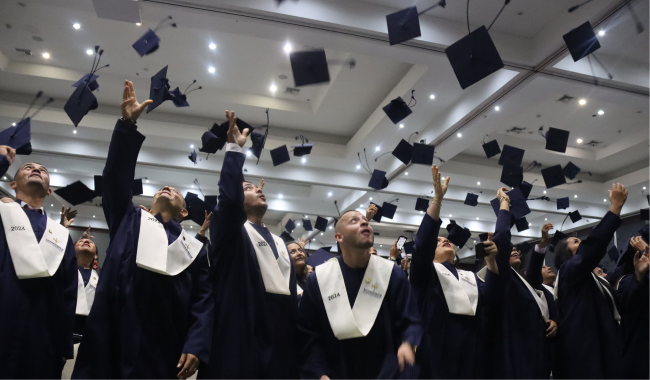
530,224
544,191
52,205
401,125
212,46
192,186
406,173
450,215
273,88
248,153
147,181
579,141
13,124
138,23
46,55
330,227
360,205
298,224
303,160
280,196
377,149
74,131
191,146
287,47
381,245
432,96
370,198
358,166
582,102
601,33
601,112
497,108
545,218
89,51
321,234
93,216
459,135
76,25
575,195
477,218
643,187
478,183
211,69
329,194
421,212
604,200
55,170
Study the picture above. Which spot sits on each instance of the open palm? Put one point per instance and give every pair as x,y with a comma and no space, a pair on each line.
131,109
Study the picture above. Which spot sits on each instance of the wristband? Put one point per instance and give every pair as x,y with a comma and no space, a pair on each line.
130,121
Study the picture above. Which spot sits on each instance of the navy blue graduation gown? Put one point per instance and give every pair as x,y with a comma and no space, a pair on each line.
588,344
369,357
36,315
452,344
635,323
254,331
141,321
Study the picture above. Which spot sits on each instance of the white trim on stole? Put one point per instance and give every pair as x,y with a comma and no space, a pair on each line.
86,293
32,259
461,294
353,322
275,273
538,295
603,290
155,255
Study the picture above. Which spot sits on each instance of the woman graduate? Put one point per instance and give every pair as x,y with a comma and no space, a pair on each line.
451,301
589,342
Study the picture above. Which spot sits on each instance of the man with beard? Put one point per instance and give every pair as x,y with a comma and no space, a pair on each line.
357,316
254,280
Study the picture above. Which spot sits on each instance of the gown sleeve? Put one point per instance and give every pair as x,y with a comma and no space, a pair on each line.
313,364
424,251
533,272
631,294
4,165
492,290
119,173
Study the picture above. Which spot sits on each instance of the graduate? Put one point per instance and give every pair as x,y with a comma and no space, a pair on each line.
254,280
548,278
452,301
297,253
589,342
358,319
38,279
153,311
521,326
633,295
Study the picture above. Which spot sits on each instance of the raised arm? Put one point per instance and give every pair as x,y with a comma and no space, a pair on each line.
500,264
426,239
7,155
123,150
533,272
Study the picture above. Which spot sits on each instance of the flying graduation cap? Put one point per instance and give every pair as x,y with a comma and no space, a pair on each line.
311,66
302,149
570,170
76,193
150,41
286,237
388,210
422,204
159,90
563,203
90,80
397,110
210,143
196,208
321,223
192,156
518,205
491,148
378,180
378,215
582,42
258,139
522,225
423,154
511,155
553,176
82,99
575,216
290,226
306,223
404,25
403,151
557,140
19,137
471,199
457,234
180,99
526,188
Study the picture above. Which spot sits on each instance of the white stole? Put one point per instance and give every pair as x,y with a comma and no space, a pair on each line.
461,294
155,255
32,259
86,293
276,274
549,288
603,290
353,322
538,295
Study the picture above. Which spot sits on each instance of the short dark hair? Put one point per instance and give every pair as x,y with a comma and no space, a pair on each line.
28,163
562,253
346,212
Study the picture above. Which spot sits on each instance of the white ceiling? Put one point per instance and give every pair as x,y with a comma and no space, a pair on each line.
344,116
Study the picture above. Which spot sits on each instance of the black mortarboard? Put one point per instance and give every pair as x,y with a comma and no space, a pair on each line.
136,187
196,208
159,90
309,67
471,199
280,155
483,236
388,210
328,249
511,155
522,224
575,216
302,149
512,175
557,140
403,151
559,235
76,193
422,204
80,103
518,205
321,256
524,247
221,130
258,140
474,57
526,188
408,247
570,170
210,143
397,110
306,224
290,225
90,79
321,223
613,253
563,203
286,237
378,181
147,44
491,148
457,234
423,154
403,25
18,137
99,185
211,200
644,214
178,98
581,41
553,176
192,156
378,214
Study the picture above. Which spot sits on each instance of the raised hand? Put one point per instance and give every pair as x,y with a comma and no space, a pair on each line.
545,228
206,224
638,243
617,198
86,234
491,251
8,152
394,252
503,198
261,186
641,264
371,211
67,216
234,136
439,187
131,109
302,242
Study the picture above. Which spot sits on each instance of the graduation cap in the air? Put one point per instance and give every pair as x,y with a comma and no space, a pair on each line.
388,210
403,151
196,208
511,156
76,193
522,224
553,176
150,41
286,237
180,98
403,25
18,137
570,170
512,175
575,216
90,80
321,256
557,140
159,90
397,110
422,204
474,57
491,148
563,203
471,199
82,99
581,41
457,234
192,156
526,188
306,224
423,154
221,130
290,226
210,143
280,155
321,223
309,67
483,236
378,181
408,247
302,149
518,205
258,139
378,215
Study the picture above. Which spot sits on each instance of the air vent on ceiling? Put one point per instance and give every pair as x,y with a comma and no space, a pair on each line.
566,99
517,130
593,143
25,51
292,90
